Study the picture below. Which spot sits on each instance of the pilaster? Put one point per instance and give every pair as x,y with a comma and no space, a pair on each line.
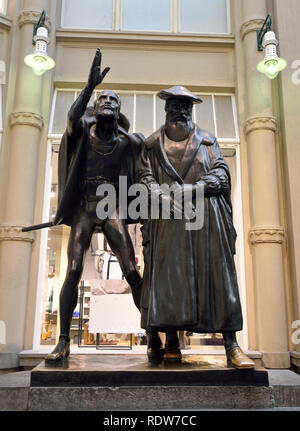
25,124
266,234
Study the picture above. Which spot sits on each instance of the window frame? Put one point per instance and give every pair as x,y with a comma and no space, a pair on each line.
235,139
175,20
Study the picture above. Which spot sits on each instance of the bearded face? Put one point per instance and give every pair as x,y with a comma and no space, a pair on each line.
178,111
107,105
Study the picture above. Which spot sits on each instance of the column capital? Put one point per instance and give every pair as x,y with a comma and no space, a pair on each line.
14,233
250,26
26,119
32,17
266,234
260,123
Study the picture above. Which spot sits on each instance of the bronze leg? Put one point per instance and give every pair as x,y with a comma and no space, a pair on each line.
119,240
80,237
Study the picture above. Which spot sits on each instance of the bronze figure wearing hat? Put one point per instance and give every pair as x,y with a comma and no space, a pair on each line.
189,281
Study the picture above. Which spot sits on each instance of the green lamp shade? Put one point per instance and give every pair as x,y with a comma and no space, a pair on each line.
39,63
271,67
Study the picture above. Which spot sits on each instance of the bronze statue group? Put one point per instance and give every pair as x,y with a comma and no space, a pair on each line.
189,280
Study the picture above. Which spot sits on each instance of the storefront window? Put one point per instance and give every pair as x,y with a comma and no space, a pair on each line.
102,274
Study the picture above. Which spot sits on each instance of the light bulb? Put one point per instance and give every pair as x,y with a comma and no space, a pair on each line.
39,61
38,65
271,65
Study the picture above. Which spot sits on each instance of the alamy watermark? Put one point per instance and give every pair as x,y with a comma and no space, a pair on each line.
296,334
2,332
178,202
296,73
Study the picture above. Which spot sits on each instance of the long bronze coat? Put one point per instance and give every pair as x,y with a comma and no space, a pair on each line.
190,278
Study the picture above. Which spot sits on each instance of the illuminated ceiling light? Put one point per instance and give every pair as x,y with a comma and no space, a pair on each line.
39,61
271,65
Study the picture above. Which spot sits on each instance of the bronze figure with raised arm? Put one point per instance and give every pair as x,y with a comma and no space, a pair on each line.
95,149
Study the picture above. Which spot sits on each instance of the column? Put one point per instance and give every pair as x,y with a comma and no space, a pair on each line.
266,234
23,141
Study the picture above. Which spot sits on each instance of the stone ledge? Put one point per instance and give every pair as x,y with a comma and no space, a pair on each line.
32,358
135,370
156,398
276,360
15,394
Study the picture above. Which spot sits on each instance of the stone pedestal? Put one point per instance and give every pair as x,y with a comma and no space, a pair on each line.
135,370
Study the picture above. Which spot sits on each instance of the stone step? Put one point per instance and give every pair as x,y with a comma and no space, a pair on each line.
281,391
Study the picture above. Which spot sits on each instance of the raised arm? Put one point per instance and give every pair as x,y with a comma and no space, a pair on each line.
79,106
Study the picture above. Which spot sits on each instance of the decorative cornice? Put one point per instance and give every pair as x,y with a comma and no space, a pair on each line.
26,119
266,234
14,233
251,25
32,17
260,123
5,22
135,39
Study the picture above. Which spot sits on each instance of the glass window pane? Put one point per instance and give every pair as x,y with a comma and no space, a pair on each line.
64,101
224,117
203,16
144,114
127,107
205,115
146,15
2,6
88,14
160,112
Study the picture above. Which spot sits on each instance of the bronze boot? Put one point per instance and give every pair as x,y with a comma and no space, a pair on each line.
238,359
155,350
61,351
173,353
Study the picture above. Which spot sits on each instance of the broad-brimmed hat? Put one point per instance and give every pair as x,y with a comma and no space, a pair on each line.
179,92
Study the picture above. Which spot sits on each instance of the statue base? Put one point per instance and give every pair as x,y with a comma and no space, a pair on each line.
105,370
